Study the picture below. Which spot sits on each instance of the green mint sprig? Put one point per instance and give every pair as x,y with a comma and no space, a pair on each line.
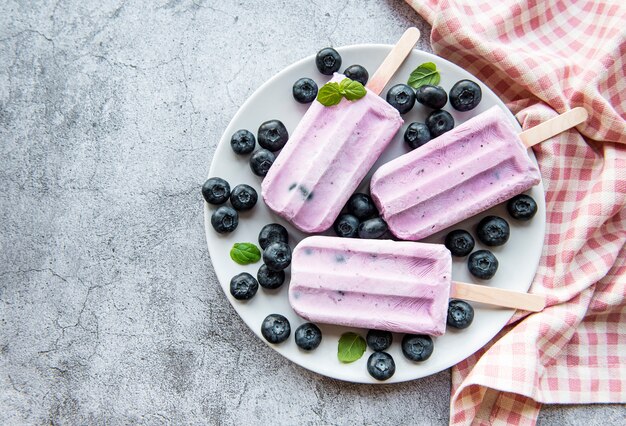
426,73
331,93
351,347
245,253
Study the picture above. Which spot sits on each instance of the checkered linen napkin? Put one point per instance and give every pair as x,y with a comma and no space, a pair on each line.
544,57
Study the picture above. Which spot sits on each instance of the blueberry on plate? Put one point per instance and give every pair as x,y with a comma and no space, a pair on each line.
277,256
401,97
439,122
261,161
431,96
381,365
416,135
304,90
243,197
460,314
273,233
417,347
357,73
459,242
243,286
272,135
270,279
465,95
378,340
482,264
328,61
372,228
361,206
493,231
242,142
225,219
346,226
275,328
522,207
215,190
308,336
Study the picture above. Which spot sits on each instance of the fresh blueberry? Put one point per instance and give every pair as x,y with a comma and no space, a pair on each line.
482,264
272,135
493,231
401,97
417,347
432,96
416,135
243,197
308,336
460,314
522,207
378,340
372,228
215,190
328,61
242,142
275,328
459,242
270,279
361,206
273,233
381,365
465,95
346,226
304,90
277,256
225,219
439,122
243,286
261,161
357,73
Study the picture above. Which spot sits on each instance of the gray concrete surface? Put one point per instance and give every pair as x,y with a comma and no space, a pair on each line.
110,311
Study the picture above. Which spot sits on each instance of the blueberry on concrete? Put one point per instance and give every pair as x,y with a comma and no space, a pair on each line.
270,279
465,95
372,228
272,135
242,142
357,73
273,233
416,135
482,264
493,231
261,161
522,207
460,314
378,340
381,365
417,347
308,336
328,61
243,197
243,286
304,90
401,97
346,226
277,256
225,219
439,122
459,242
361,206
431,96
275,328
215,190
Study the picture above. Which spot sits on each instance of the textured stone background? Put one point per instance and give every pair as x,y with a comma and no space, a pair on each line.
110,310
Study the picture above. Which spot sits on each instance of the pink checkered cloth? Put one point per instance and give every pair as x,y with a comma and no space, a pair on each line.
544,57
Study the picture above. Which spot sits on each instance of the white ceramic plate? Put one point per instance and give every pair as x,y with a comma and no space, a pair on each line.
518,258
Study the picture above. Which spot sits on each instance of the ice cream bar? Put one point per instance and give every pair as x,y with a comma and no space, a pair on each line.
380,284
326,157
465,171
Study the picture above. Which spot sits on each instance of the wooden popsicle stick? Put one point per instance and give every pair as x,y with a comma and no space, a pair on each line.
394,59
554,126
498,296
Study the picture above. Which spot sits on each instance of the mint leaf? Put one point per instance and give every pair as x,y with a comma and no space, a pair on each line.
352,90
245,253
351,347
329,94
426,73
